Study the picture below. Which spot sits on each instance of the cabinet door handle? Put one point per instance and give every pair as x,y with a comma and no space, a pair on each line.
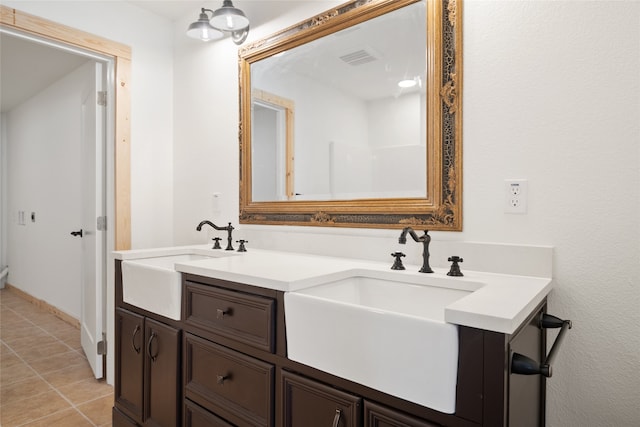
336,418
151,338
220,313
136,331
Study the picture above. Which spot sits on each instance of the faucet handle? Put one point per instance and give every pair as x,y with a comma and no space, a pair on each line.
397,264
242,248
216,244
455,268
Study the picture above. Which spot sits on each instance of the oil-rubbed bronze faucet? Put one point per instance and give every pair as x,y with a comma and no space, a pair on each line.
228,228
424,239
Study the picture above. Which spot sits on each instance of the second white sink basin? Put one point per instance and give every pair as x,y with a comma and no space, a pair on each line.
154,285
387,334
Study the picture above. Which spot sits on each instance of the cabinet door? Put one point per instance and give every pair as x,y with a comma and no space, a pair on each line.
311,404
129,361
380,416
162,393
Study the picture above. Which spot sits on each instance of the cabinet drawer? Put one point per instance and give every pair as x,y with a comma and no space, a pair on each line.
195,416
237,387
380,416
311,404
244,318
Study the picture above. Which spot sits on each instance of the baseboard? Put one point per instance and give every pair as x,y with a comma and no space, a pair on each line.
44,305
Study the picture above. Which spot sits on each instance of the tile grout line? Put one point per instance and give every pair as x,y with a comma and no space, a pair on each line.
73,406
78,351
44,330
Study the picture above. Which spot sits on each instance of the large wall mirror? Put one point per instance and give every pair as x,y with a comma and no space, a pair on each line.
352,119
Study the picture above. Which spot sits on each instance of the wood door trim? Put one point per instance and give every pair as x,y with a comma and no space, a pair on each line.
121,55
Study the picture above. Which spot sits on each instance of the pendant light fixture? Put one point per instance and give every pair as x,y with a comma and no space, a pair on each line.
229,18
226,19
201,29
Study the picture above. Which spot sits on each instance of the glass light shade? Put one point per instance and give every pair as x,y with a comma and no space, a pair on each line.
239,37
229,18
201,29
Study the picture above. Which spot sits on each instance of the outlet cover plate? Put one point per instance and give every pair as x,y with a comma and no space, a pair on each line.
516,192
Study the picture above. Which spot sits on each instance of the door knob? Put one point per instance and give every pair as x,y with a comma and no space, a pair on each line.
77,233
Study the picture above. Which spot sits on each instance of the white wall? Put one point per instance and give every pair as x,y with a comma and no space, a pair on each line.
43,176
397,121
3,197
324,104
267,154
542,103
551,95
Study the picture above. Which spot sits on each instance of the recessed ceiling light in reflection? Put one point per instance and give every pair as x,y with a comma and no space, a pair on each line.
407,83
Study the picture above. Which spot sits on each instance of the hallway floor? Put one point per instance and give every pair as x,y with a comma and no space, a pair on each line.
45,379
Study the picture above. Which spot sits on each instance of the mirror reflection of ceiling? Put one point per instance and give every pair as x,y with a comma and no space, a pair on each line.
366,61
22,73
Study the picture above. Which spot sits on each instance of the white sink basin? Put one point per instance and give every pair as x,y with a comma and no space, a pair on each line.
153,284
387,334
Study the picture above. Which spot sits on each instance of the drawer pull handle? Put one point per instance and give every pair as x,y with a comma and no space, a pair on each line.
220,379
220,313
151,338
336,419
136,331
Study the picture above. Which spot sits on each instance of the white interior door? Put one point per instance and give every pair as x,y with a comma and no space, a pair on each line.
93,239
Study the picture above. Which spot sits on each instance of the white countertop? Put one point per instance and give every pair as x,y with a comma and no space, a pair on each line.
498,302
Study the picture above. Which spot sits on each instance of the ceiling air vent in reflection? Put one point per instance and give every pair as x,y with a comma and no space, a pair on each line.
359,57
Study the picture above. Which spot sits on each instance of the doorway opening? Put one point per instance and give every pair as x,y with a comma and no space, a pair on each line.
273,121
114,59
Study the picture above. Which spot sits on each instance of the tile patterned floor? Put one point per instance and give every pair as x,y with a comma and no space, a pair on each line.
45,379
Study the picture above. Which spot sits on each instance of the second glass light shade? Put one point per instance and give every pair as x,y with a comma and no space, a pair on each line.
229,18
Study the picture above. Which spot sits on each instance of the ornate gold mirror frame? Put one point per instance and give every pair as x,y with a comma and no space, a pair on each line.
442,208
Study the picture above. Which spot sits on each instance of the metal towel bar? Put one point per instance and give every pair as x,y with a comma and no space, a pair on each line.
523,365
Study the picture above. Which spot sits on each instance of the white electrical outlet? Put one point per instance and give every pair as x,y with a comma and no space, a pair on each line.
515,196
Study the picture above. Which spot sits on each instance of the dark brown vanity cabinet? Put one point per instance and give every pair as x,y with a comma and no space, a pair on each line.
226,365
147,370
236,371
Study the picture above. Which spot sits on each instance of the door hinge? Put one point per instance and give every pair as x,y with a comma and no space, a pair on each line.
101,223
102,98
102,345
